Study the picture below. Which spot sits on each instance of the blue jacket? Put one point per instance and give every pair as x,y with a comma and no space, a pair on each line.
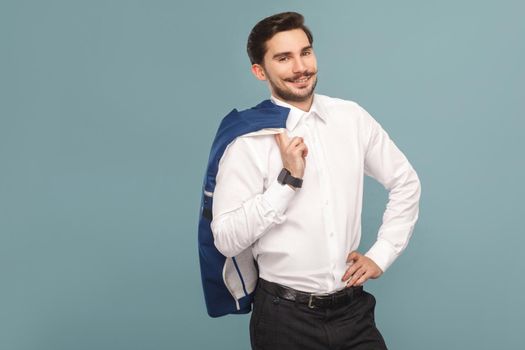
229,283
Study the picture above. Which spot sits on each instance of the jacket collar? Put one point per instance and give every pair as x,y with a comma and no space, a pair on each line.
296,114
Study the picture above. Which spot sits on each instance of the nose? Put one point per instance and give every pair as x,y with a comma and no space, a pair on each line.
299,66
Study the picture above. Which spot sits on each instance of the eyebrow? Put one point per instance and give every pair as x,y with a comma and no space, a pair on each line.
289,52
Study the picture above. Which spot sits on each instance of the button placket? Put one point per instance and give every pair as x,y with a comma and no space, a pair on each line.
324,181
309,123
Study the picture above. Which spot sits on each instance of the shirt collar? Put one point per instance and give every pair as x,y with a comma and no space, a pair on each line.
296,114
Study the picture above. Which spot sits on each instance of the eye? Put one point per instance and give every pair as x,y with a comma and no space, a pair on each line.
283,58
306,53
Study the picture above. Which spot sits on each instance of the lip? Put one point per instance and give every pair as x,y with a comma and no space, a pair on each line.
301,84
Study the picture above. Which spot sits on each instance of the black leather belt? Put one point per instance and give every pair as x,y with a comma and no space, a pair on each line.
343,296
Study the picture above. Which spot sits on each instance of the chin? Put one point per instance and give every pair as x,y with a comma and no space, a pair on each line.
301,94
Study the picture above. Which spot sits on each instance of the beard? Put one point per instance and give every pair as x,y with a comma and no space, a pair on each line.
287,94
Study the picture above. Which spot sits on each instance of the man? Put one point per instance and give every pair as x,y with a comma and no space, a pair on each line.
295,197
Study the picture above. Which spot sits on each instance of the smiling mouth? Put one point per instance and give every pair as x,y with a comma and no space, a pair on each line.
300,81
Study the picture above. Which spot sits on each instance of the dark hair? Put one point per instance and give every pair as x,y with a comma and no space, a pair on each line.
268,27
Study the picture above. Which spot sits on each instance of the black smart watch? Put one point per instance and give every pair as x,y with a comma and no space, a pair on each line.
286,178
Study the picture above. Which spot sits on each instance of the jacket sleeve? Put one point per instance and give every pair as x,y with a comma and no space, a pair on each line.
242,209
388,165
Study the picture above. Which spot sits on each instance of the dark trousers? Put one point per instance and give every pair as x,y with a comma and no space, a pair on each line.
279,324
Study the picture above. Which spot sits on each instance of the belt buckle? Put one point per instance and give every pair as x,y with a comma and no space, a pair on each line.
310,302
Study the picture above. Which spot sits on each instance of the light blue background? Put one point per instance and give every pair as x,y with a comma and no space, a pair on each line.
107,113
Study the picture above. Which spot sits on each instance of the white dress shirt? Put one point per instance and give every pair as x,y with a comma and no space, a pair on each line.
301,238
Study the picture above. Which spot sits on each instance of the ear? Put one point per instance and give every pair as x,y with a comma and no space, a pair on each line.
258,71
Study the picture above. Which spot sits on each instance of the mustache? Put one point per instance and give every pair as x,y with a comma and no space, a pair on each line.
306,74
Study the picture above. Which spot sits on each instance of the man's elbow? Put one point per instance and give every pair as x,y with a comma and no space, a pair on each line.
224,250
408,186
221,241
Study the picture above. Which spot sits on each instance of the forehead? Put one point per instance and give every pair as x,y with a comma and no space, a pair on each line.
290,40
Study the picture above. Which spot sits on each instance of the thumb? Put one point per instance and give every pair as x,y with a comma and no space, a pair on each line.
352,256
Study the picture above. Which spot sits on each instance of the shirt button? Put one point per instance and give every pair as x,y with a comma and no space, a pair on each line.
331,234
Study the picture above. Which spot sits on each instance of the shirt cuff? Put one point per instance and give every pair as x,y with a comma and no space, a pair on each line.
278,196
383,254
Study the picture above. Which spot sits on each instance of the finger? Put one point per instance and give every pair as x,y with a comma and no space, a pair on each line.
282,138
351,271
362,279
295,142
299,151
286,144
282,141
304,151
346,277
356,276
278,142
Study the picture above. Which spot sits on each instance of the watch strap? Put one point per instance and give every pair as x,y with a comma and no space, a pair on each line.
286,178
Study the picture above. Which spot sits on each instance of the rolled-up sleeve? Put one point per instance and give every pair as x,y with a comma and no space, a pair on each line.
243,210
388,165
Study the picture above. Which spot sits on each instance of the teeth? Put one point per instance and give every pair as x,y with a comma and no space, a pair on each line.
300,80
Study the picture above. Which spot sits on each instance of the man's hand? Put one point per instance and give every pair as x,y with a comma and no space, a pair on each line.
293,153
361,270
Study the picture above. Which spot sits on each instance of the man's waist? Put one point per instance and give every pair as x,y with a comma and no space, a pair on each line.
306,283
312,300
